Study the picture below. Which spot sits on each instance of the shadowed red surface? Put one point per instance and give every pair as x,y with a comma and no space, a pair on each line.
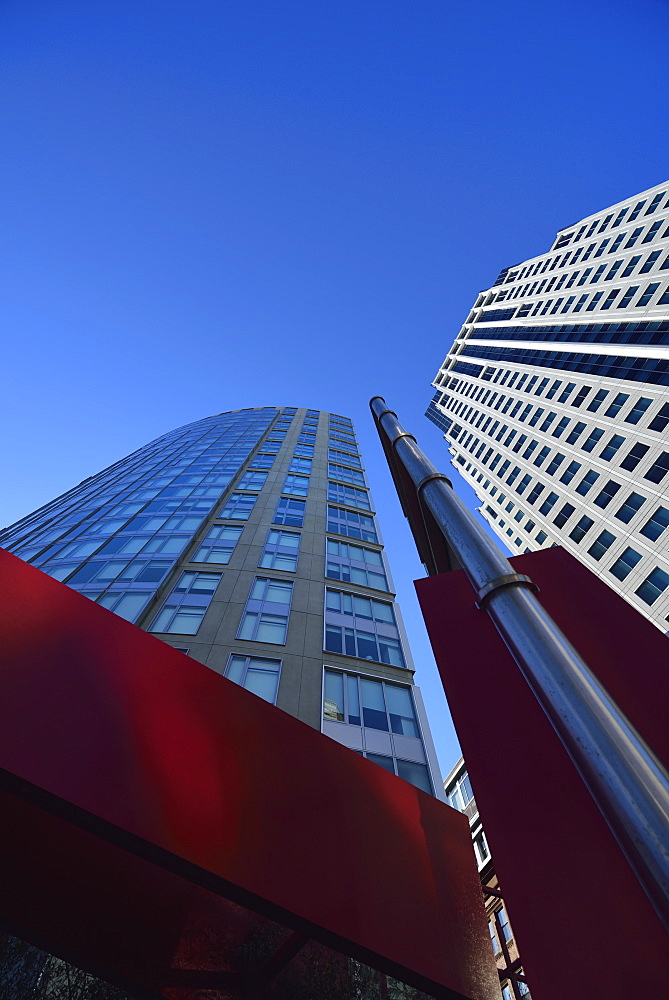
584,926
140,787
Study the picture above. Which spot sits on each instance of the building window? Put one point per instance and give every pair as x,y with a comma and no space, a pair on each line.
262,461
252,480
481,849
237,507
372,703
349,495
576,432
580,529
592,439
256,674
219,544
635,235
587,482
625,563
302,465
654,527
563,515
570,472
343,456
542,456
658,469
101,574
654,203
504,923
380,705
655,584
184,609
648,263
296,485
290,512
372,634
651,232
125,605
617,404
349,522
355,564
631,506
647,294
607,493
612,447
535,492
633,457
638,410
597,401
304,450
548,503
631,264
581,395
265,618
348,475
460,793
660,420
601,545
281,551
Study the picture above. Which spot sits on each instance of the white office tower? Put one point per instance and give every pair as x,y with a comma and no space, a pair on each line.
554,399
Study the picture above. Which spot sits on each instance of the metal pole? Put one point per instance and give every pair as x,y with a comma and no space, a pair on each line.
626,780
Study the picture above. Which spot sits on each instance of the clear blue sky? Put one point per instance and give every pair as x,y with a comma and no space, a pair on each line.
211,205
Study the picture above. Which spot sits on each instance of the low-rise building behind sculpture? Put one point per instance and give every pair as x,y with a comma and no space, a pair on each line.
460,795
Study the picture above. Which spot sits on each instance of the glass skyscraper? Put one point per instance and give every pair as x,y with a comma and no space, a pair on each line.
554,399
249,540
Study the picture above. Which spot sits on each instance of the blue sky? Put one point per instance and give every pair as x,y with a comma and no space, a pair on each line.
216,205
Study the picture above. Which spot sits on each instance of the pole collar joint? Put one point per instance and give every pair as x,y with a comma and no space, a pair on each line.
434,476
404,434
508,580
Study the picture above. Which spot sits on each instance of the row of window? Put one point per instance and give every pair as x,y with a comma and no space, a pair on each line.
558,280
346,562
370,631
587,230
291,511
651,529
533,384
575,303
652,587
161,481
238,506
201,460
657,580
523,411
649,332
199,447
654,371
526,448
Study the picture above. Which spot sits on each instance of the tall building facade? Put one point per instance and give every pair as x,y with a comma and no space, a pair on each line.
249,540
554,399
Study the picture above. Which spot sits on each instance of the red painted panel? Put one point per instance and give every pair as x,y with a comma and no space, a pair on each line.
175,776
585,928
